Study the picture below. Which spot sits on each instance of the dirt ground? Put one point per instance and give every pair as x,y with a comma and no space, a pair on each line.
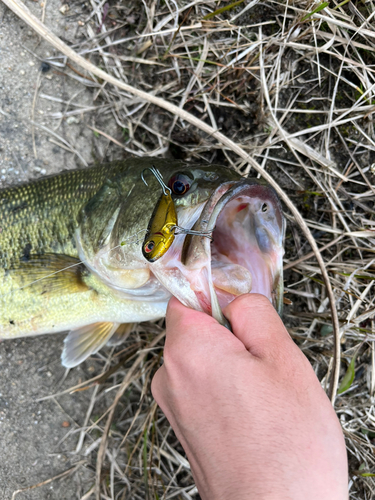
32,434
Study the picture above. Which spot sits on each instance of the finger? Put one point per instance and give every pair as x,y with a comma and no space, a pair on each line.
182,322
179,315
193,332
256,324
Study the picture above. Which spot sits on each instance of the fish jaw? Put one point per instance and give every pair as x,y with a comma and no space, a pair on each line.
245,255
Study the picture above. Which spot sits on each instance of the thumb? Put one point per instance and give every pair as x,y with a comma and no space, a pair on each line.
256,324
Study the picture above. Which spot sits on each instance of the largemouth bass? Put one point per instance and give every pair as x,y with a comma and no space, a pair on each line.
73,249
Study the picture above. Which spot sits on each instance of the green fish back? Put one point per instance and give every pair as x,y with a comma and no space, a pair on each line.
41,217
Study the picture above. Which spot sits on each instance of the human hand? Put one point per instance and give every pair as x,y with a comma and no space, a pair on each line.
248,408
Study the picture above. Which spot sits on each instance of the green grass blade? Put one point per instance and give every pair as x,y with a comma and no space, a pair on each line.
223,9
315,11
341,4
144,453
348,378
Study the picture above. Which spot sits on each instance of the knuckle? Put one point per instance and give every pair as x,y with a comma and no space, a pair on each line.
176,358
170,356
157,385
185,358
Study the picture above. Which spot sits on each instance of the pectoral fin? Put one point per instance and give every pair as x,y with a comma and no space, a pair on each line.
121,334
50,273
81,343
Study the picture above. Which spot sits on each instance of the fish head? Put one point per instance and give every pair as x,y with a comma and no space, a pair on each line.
112,226
236,247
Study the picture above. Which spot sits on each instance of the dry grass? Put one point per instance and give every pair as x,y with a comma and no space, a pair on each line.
296,92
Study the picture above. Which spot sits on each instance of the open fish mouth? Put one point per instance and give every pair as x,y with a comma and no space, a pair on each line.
244,256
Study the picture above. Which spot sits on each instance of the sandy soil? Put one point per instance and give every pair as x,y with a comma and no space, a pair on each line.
32,444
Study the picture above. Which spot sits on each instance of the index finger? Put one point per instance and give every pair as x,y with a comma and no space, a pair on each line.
194,331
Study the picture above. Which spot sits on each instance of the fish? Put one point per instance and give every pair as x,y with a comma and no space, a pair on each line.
74,248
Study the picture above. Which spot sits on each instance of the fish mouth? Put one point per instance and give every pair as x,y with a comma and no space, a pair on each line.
245,253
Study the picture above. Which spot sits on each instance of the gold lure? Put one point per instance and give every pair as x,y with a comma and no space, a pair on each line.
163,223
161,231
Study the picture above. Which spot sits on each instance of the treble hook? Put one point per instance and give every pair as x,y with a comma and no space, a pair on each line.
159,178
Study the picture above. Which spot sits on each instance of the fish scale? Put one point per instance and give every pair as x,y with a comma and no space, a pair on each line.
43,214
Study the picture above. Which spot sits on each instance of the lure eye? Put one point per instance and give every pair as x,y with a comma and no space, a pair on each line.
150,245
179,184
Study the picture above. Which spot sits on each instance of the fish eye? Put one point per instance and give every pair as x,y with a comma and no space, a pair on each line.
150,245
264,207
179,184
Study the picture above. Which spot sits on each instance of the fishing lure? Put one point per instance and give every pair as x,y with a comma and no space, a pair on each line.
161,230
163,225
